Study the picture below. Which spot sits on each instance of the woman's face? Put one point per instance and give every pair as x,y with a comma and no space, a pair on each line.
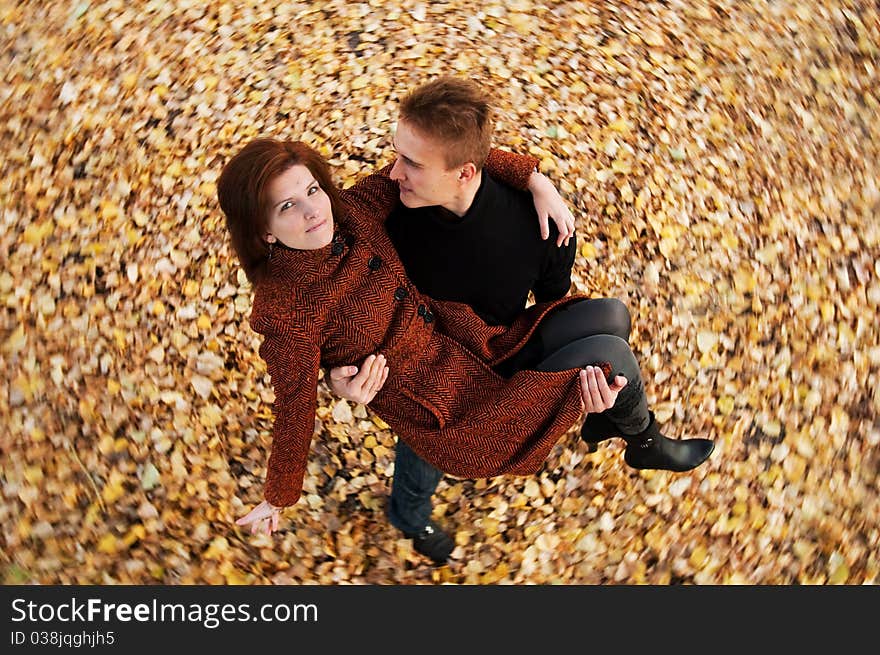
299,211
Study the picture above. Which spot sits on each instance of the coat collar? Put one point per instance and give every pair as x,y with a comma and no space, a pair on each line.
304,266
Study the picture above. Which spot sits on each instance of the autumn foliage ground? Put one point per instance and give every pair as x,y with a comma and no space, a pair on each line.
721,158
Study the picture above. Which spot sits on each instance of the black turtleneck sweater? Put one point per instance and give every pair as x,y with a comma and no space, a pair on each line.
490,258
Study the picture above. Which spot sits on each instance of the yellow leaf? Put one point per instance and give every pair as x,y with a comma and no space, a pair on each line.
114,489
621,166
16,341
136,533
217,549
652,38
33,474
107,544
191,288
840,574
522,23
729,240
490,526
532,490
236,577
35,233
725,405
827,309
211,416
174,169
699,557
495,575
744,280
663,411
772,428
109,210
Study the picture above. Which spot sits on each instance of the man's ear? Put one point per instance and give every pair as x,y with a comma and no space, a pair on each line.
467,172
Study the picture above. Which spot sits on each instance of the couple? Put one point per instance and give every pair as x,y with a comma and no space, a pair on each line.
412,287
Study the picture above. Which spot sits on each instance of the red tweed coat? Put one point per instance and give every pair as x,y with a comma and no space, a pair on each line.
336,305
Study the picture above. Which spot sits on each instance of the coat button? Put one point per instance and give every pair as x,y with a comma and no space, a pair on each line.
429,317
422,310
374,263
400,293
337,249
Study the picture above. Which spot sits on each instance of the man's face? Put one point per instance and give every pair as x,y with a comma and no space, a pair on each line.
421,171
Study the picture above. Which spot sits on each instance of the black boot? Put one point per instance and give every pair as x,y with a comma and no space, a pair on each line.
597,427
651,450
433,542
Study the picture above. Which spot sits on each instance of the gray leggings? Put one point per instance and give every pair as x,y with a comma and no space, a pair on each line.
585,333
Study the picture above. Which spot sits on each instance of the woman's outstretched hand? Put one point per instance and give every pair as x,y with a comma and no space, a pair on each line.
263,518
596,394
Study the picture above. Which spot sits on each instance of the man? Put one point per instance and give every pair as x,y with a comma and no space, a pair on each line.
464,237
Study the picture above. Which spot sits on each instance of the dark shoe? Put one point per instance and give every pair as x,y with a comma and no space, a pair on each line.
652,450
431,541
597,427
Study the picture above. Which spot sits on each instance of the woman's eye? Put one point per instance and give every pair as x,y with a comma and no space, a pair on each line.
287,205
313,190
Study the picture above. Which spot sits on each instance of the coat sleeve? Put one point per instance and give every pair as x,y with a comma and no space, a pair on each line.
373,196
509,168
293,361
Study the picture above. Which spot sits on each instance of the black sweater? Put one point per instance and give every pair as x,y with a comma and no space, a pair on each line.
490,258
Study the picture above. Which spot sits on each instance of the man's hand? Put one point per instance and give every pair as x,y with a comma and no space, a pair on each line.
596,395
548,203
360,386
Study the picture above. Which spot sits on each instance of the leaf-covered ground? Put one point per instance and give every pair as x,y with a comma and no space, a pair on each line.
721,158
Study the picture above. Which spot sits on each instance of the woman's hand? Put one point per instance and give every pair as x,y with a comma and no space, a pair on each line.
360,386
596,394
263,518
548,203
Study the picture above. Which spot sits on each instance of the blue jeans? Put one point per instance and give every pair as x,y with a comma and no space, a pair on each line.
415,481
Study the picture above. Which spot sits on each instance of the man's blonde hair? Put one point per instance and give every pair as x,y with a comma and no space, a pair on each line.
455,112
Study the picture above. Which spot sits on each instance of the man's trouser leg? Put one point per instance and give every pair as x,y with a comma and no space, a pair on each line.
412,487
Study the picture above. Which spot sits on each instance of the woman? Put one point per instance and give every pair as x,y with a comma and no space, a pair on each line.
329,289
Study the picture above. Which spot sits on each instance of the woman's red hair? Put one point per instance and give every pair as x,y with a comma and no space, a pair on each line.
242,192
